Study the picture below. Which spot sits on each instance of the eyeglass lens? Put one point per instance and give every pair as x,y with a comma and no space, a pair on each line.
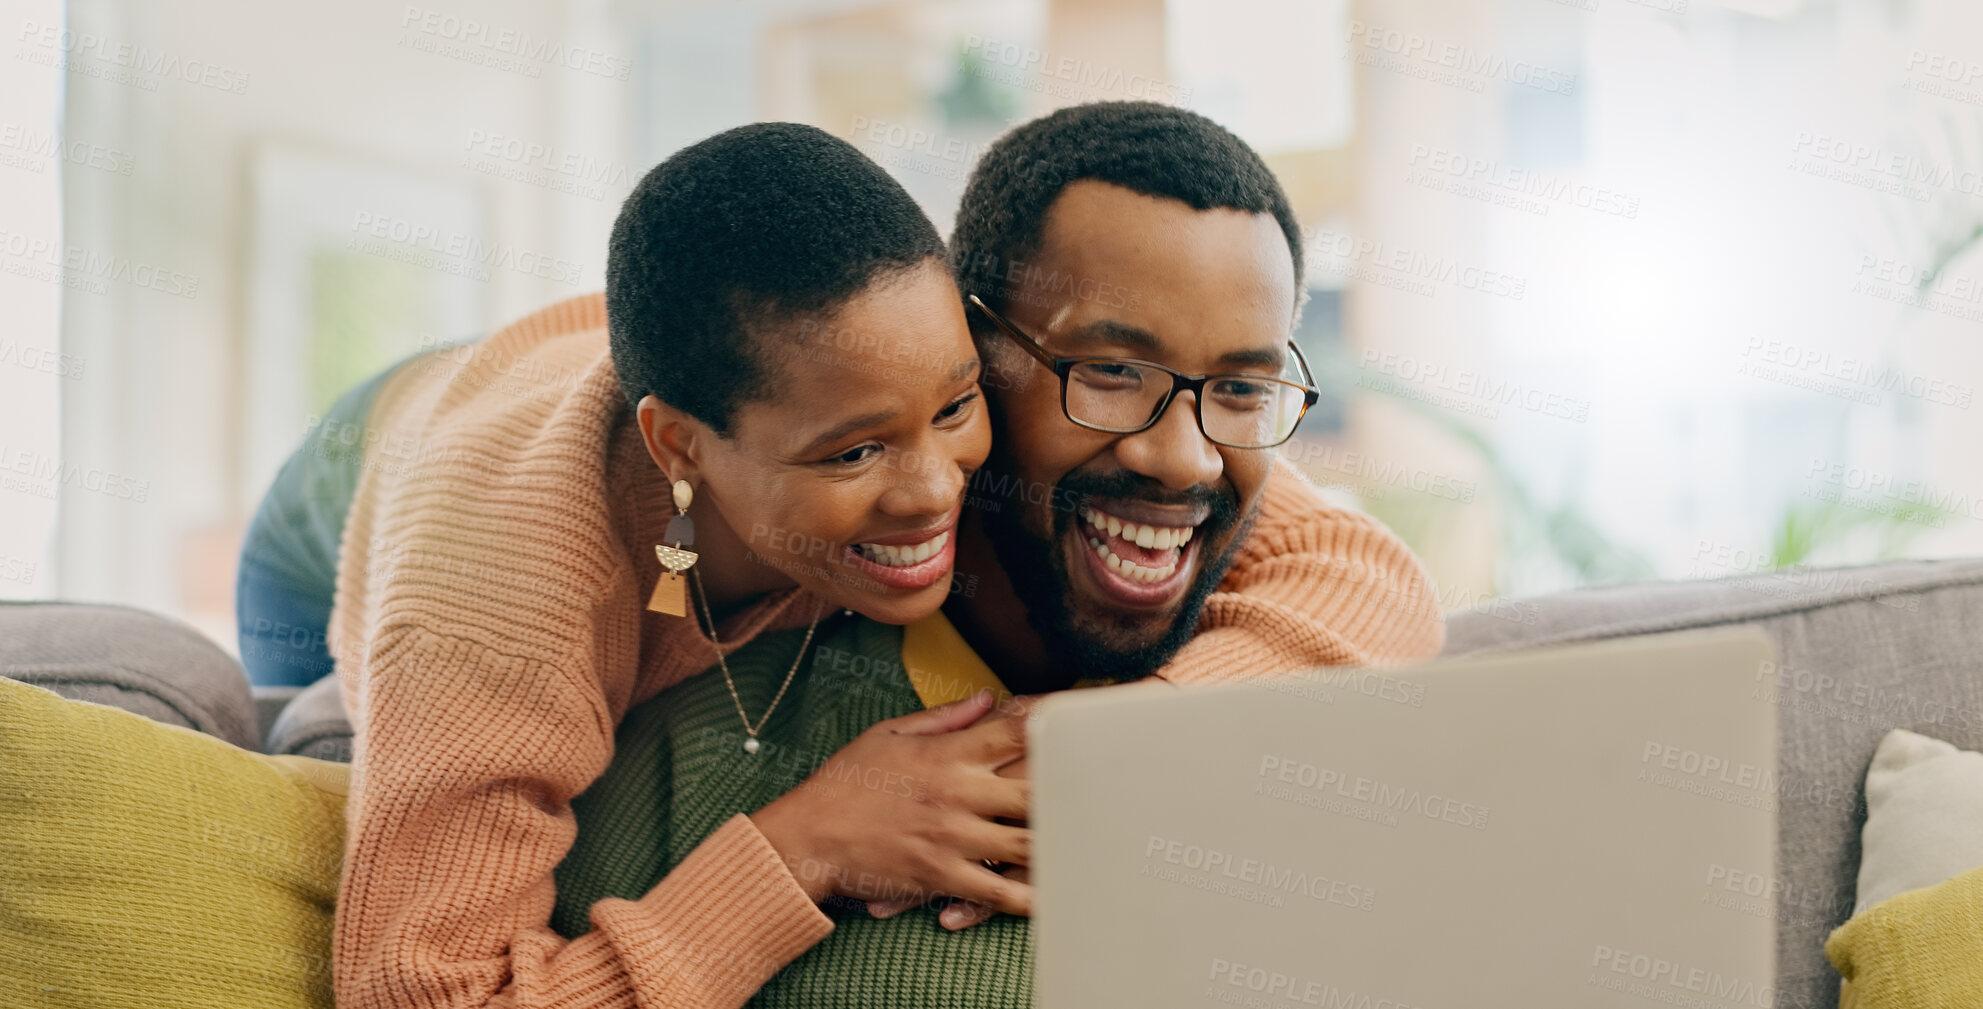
1236,410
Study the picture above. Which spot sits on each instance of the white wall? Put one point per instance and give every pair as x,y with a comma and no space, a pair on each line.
33,368
369,83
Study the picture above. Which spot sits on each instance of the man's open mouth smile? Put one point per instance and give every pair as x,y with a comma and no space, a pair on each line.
1138,554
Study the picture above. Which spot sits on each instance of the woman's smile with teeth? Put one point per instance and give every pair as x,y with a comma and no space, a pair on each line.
1108,531
903,556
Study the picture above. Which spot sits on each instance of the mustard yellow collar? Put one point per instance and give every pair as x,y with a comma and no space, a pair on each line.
941,666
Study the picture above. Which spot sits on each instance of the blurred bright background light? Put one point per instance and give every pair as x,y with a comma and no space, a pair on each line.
1599,289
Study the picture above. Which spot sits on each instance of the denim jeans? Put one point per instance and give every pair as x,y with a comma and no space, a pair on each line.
288,572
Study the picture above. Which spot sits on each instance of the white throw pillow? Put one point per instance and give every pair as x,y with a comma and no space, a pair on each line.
1924,816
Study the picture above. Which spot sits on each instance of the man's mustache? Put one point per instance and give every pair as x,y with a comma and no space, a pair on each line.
1221,504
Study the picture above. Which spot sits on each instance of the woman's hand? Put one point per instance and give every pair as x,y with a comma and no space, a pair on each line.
907,812
963,914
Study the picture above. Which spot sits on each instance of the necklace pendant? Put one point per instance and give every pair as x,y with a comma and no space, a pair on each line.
751,745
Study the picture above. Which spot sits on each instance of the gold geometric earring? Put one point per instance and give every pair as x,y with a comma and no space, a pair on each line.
670,593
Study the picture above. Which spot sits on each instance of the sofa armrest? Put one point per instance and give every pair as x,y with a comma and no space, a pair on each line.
269,702
141,662
314,724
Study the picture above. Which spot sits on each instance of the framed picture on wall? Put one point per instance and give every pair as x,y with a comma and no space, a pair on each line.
353,266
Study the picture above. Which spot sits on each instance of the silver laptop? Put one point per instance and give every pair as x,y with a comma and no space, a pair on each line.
1592,825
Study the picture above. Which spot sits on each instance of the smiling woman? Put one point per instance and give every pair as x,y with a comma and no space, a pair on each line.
844,479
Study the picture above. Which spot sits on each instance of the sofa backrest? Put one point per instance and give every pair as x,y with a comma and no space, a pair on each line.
1861,651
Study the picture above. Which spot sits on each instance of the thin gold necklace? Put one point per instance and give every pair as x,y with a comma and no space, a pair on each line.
751,744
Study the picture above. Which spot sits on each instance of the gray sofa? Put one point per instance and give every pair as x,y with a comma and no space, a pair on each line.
1863,650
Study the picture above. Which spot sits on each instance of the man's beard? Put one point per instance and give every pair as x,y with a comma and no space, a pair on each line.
1039,572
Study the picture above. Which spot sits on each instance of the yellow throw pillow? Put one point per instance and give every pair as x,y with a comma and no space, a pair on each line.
1915,938
1922,949
144,864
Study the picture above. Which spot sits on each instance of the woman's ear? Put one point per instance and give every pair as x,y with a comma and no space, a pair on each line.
673,439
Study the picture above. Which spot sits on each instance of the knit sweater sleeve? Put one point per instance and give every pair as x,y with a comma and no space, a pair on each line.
466,763
1312,585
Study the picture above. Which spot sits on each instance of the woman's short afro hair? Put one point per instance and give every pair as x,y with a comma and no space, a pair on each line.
745,230
1145,147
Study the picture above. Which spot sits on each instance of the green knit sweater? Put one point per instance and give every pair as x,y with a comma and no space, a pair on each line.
679,770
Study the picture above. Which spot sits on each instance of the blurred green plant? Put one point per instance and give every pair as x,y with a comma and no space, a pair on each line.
972,97
360,309
1807,528
1561,531
1566,535
1947,230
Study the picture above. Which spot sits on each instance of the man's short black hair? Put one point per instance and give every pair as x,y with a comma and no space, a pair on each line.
1145,147
751,227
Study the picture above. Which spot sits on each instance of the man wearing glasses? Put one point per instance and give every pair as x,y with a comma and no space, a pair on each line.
1132,272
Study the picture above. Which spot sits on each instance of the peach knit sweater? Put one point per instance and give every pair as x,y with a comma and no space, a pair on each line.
490,632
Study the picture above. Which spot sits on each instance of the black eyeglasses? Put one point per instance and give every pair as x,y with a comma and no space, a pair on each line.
1123,395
